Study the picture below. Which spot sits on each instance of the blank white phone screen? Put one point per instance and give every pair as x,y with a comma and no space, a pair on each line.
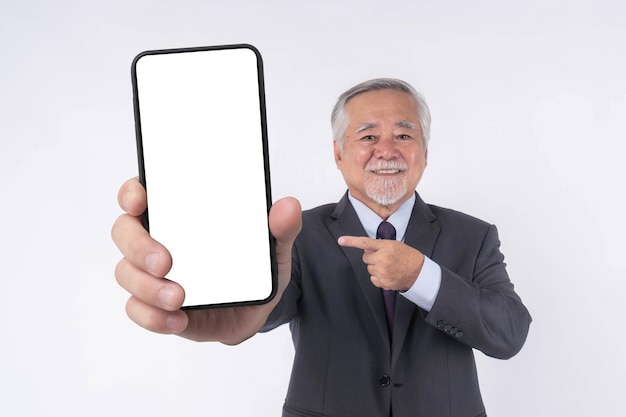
204,163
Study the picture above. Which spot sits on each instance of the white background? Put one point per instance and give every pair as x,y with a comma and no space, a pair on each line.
529,114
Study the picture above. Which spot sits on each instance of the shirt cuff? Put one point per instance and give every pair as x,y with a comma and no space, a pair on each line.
426,287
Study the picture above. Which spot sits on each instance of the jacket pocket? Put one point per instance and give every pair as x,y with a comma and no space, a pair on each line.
294,412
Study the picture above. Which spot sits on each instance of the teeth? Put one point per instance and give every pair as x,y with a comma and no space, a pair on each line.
387,171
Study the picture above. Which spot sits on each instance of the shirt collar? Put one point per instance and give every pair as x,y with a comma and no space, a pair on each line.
370,220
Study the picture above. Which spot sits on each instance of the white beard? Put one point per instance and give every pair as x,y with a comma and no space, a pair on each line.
386,191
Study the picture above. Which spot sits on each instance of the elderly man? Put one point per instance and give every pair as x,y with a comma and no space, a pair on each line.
386,296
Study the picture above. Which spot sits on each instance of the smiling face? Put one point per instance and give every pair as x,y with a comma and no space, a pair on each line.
383,156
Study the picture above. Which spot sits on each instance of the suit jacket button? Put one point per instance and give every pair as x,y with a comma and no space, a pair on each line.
441,324
447,327
384,380
458,334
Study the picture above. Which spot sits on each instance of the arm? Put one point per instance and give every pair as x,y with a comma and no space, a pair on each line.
155,301
482,310
475,304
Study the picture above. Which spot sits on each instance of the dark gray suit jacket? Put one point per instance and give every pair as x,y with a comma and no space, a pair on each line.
345,364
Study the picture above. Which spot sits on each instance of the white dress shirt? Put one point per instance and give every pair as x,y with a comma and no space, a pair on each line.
426,287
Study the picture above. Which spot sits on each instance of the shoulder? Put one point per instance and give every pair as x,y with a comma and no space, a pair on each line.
315,234
456,223
424,213
449,215
319,212
316,219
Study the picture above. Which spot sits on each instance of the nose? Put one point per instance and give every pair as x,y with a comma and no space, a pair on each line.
386,148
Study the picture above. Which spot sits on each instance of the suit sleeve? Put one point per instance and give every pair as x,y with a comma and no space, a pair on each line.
482,309
287,307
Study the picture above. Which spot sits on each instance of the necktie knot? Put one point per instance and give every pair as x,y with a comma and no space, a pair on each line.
386,231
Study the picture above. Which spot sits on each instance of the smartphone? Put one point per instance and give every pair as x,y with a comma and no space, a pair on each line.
200,124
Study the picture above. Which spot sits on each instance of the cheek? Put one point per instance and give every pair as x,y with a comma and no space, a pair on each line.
418,164
365,157
357,158
417,159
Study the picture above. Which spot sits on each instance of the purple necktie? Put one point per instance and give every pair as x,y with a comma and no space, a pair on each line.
387,231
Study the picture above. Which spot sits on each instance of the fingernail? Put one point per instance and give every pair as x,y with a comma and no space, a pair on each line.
166,297
152,263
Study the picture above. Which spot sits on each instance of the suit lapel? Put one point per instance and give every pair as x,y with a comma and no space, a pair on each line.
347,223
421,234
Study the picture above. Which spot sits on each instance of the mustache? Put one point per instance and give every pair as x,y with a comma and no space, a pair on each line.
381,165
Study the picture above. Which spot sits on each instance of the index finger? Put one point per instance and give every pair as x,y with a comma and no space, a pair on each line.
139,248
359,242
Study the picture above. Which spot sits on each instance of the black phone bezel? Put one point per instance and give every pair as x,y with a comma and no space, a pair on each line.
266,162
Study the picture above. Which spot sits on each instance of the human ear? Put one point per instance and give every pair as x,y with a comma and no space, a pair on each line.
337,151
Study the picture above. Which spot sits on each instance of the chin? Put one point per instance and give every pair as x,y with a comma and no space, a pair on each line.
386,192
386,199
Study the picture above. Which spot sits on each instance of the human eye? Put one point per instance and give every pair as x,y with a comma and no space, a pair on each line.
404,136
368,138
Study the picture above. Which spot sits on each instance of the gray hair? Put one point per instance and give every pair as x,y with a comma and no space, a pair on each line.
340,120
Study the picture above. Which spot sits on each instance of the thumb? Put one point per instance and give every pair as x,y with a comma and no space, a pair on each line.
285,220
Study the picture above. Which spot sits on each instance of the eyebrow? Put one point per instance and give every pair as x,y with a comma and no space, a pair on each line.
366,126
401,123
406,124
